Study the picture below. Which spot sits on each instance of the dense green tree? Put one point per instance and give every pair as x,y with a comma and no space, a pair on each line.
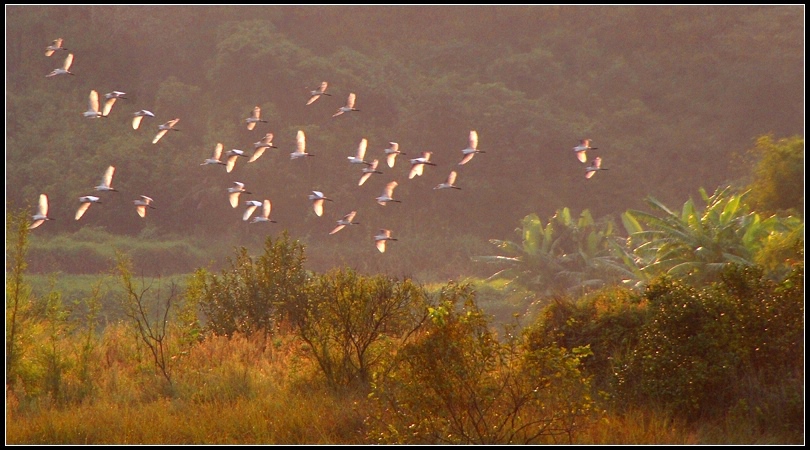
254,294
778,176
699,343
608,321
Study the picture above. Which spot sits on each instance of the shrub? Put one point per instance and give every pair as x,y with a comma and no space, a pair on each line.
455,383
350,322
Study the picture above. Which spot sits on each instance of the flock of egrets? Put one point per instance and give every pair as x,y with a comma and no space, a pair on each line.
229,159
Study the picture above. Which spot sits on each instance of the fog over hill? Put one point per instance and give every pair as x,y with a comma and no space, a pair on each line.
668,94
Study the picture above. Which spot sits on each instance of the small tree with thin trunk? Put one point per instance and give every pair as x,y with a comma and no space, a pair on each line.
150,327
18,293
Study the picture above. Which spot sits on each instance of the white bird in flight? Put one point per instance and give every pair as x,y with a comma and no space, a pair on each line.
233,155
251,206
418,165
55,45
318,198
215,158
234,191
86,201
300,146
391,153
471,150
262,145
106,180
265,217
92,107
316,94
369,171
381,237
349,106
449,184
255,117
584,145
165,128
42,212
111,98
345,221
595,166
388,194
142,203
139,115
65,69
361,153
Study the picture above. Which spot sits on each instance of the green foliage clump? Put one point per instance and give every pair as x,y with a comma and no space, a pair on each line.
700,343
778,175
351,322
698,243
254,295
565,256
608,321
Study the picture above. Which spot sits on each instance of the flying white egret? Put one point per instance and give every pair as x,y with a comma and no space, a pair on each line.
391,153
142,203
418,165
55,45
265,217
388,194
65,69
139,115
111,97
42,212
92,108
584,145
318,198
345,221
255,117
234,191
215,158
251,206
369,171
595,165
449,184
381,237
361,153
262,145
300,146
106,180
86,201
165,128
471,150
316,94
233,155
349,106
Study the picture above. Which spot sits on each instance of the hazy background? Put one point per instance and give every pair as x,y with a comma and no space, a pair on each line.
669,95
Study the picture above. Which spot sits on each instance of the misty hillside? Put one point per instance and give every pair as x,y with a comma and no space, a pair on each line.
668,95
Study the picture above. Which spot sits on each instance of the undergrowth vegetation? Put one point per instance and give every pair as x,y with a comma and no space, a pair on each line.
263,351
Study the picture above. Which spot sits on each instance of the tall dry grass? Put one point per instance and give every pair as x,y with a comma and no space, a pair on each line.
247,391
224,391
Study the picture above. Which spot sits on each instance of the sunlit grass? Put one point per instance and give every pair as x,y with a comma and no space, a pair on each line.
637,427
224,391
251,391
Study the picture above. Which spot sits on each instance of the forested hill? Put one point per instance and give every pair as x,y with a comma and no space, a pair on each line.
668,94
